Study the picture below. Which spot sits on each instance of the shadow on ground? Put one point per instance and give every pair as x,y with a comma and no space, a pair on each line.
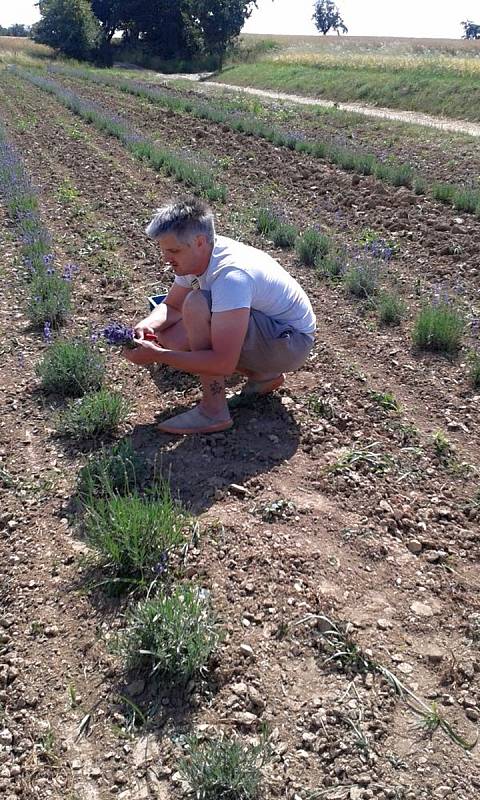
264,435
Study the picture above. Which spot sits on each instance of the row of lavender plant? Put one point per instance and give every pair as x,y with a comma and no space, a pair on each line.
21,203
49,292
185,168
442,320
396,173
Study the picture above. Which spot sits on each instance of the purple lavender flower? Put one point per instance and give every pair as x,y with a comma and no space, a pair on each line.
117,334
475,326
69,271
47,331
161,566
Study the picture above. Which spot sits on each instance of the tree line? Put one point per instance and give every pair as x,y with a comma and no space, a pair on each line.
184,30
17,29
172,29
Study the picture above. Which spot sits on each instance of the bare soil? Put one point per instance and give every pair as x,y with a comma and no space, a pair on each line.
389,544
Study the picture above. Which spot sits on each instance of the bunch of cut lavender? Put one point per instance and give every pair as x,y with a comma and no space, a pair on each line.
117,334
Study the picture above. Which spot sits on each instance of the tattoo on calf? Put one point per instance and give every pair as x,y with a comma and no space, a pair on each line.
216,387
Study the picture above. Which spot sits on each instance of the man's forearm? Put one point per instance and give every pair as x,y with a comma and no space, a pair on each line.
162,316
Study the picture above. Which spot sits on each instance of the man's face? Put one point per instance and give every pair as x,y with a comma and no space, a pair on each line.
184,258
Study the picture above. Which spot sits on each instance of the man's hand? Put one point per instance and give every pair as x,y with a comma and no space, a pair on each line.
141,329
144,353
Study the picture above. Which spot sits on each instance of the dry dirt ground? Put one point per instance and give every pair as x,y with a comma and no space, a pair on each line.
387,540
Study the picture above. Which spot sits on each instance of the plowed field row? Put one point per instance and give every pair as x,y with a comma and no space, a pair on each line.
361,544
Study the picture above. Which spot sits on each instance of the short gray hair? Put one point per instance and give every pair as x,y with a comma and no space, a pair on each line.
185,219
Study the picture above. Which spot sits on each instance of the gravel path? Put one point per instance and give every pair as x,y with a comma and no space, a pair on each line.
454,125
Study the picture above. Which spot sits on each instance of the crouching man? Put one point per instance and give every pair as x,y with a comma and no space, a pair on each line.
231,308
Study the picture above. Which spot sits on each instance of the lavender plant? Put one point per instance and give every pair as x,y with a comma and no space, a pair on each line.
22,205
93,416
49,301
192,174
119,470
117,334
390,308
439,327
284,235
173,635
312,246
223,768
71,368
361,279
131,533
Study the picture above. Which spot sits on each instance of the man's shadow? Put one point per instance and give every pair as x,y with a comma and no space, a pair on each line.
264,435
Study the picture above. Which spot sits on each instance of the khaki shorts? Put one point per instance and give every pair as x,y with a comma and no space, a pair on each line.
271,345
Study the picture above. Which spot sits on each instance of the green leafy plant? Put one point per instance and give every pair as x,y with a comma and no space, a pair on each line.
173,635
224,769
332,265
322,407
93,415
386,400
441,445
133,535
439,327
466,200
49,300
390,308
420,186
444,192
284,235
312,246
277,510
361,280
71,368
267,221
362,458
119,470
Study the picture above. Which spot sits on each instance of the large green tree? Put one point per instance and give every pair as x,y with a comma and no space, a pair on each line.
471,30
221,22
175,28
69,26
327,17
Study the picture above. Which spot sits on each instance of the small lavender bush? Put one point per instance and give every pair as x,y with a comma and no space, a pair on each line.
284,235
444,192
466,200
224,769
131,533
173,635
50,300
71,369
439,327
94,416
117,471
390,308
475,369
361,280
332,265
267,221
312,246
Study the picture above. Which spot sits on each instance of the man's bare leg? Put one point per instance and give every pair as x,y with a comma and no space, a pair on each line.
197,319
212,413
